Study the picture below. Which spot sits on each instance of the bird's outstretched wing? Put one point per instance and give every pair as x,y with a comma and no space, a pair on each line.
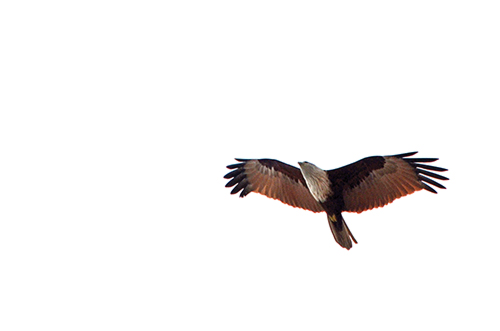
378,180
273,179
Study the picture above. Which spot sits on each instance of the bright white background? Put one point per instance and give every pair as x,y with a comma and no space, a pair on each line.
119,117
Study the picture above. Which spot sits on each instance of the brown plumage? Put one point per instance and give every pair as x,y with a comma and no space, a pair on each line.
366,184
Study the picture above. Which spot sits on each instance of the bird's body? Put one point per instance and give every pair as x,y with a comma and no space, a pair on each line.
368,183
316,180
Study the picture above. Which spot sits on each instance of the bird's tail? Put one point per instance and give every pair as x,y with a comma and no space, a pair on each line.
340,231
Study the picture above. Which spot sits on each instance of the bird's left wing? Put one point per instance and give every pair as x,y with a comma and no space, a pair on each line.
273,179
378,180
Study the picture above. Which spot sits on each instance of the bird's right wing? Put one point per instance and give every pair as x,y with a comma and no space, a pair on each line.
378,180
274,179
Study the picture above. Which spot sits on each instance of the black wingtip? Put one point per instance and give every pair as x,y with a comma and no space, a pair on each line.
428,188
430,181
427,159
429,167
237,165
431,174
405,154
421,163
238,177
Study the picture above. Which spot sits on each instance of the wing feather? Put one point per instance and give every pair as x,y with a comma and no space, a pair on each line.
430,181
274,179
376,181
431,174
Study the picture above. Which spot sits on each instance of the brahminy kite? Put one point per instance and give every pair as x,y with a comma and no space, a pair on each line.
369,183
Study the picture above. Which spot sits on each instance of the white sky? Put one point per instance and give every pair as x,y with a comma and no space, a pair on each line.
119,117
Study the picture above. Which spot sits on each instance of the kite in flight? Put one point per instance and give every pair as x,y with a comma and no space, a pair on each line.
369,183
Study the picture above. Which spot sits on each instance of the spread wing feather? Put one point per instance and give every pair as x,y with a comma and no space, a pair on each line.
376,181
274,179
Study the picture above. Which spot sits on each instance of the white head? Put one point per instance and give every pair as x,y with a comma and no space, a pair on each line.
316,179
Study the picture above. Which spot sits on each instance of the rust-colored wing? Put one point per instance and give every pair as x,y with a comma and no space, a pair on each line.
378,180
273,179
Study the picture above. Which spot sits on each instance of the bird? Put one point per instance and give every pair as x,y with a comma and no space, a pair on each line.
371,182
